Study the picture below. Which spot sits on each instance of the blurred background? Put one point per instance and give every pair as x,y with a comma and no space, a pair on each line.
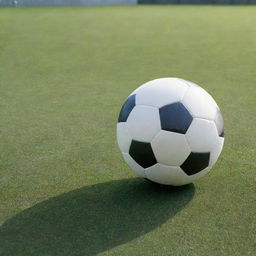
116,2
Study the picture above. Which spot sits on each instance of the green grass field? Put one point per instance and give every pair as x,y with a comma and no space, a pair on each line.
64,74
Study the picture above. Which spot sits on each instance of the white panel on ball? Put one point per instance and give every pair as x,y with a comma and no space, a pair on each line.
167,175
143,123
137,168
160,92
215,152
202,135
189,82
123,137
200,103
170,148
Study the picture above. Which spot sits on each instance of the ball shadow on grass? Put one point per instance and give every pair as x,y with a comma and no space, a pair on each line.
92,219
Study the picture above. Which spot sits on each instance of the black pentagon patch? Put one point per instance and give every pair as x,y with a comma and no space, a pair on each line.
142,153
195,163
219,122
175,118
126,109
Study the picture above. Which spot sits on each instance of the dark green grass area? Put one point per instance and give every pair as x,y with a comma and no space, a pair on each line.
64,74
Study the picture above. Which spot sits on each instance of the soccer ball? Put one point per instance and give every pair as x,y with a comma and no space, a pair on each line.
170,131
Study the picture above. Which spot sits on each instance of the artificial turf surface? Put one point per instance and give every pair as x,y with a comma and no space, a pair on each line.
64,74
